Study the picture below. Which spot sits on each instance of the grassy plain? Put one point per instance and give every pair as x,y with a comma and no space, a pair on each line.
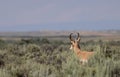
49,56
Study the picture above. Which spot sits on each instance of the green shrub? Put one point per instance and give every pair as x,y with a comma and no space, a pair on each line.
38,57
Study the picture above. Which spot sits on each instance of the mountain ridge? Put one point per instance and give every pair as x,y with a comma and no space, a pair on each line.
62,33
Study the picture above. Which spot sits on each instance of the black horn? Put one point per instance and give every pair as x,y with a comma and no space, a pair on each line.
78,38
70,36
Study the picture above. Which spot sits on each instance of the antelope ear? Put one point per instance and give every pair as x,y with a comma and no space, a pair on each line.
72,42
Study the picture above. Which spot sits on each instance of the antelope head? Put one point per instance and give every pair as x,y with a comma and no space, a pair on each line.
74,42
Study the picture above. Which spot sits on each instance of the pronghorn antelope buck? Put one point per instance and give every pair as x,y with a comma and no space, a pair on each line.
84,56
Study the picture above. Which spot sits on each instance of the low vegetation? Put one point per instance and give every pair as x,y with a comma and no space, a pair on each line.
40,57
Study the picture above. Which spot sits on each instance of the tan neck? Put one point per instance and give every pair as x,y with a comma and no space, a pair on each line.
77,49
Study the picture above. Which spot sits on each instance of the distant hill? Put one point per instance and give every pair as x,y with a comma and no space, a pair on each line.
63,33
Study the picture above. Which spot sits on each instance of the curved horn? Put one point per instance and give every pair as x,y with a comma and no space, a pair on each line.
78,38
70,36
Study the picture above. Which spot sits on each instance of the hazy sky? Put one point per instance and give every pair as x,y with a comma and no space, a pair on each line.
34,15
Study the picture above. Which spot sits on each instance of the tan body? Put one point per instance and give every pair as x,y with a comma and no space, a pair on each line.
84,56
